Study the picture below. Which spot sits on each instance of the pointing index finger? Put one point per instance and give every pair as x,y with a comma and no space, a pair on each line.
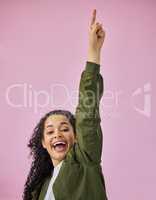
93,17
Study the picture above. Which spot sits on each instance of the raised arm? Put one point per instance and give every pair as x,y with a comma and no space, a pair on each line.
89,134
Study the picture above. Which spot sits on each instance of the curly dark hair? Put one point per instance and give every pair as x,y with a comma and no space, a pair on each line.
41,166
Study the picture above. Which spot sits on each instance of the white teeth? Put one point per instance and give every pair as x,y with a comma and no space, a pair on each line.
58,143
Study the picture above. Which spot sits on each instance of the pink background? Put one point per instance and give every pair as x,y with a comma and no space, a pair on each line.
43,44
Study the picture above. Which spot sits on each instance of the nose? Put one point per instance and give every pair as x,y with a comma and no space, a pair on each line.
57,134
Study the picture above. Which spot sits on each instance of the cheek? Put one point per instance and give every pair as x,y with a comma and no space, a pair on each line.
46,141
70,137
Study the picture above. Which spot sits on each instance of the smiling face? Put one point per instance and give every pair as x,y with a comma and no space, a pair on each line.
58,137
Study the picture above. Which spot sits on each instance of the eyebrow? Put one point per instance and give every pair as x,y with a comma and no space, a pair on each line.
62,123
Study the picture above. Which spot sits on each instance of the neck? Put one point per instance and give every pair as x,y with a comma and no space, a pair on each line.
56,162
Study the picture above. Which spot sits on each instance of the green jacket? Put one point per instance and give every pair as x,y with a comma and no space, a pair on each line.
80,177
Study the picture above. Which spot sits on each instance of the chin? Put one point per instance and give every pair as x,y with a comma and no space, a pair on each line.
59,157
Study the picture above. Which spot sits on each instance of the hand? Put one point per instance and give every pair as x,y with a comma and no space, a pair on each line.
96,34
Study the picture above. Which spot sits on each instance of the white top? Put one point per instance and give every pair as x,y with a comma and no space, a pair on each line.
50,195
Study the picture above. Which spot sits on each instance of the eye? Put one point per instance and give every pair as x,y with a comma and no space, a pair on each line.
50,132
65,129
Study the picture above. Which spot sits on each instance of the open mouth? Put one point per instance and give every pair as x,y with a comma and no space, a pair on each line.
60,146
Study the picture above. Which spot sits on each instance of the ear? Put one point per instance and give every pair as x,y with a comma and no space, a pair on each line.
43,144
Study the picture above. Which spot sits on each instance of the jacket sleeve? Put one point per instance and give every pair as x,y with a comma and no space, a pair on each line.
88,129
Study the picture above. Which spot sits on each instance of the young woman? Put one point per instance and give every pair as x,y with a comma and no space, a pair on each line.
67,149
